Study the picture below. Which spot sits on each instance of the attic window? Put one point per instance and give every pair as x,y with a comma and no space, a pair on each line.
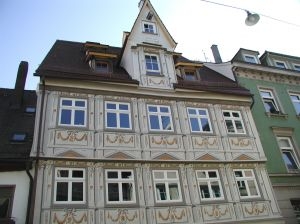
100,66
250,59
149,27
30,110
190,75
280,64
18,137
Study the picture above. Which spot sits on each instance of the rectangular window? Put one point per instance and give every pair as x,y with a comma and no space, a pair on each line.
190,75
117,115
246,183
149,27
296,206
159,118
296,101
101,66
199,120
69,186
18,137
72,112
296,67
250,59
280,64
6,201
234,122
288,153
120,186
209,184
167,186
269,101
152,63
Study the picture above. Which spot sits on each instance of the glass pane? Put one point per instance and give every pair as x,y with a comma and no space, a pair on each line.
80,103
239,126
234,114
202,112
270,106
212,174
77,191
191,111
248,173
123,107
126,175
155,66
61,191
113,192
171,175
79,117
265,94
229,126
18,137
62,173
110,106
154,124
289,160
297,107
65,117
205,124
252,188
284,143
166,123
194,124
242,188
204,191
4,206
152,109
66,102
164,109
111,120
174,192
238,173
112,175
124,121
77,173
161,192
127,190
158,175
226,114
201,174
295,98
216,191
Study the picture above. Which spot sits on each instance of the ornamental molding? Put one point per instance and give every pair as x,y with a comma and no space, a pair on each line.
122,216
255,209
119,138
172,215
71,136
163,140
70,216
216,212
205,141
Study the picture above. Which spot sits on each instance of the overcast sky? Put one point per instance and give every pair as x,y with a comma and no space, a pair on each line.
30,27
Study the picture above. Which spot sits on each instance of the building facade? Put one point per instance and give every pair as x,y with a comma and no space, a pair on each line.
274,80
140,134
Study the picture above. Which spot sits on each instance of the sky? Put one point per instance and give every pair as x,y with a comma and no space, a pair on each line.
29,28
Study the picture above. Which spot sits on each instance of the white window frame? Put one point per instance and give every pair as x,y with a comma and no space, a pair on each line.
250,56
166,182
296,67
119,180
159,116
199,116
69,180
118,113
246,179
233,120
277,62
151,24
296,101
209,182
289,149
73,108
270,99
152,71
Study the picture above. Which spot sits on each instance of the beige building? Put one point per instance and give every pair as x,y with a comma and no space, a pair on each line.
140,134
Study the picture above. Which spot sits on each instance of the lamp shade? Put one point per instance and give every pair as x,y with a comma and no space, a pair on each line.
252,18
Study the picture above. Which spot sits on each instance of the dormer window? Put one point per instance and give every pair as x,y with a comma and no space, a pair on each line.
18,137
149,27
250,59
280,64
101,66
152,64
190,75
296,67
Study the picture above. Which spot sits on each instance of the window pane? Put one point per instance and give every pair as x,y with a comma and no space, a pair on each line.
201,175
112,175
127,189
111,120
79,117
242,188
124,121
62,191
77,173
77,191
126,175
229,126
174,193
152,109
239,126
238,173
205,124
4,206
154,124
204,190
248,173
202,112
113,192
216,189
80,103
18,137
164,109
158,175
284,143
110,106
252,188
289,160
62,173
65,117
123,107
171,175
212,174
161,191
192,111
226,114
234,114
166,123
194,124
66,102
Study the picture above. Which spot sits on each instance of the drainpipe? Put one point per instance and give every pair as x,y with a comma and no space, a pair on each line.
28,166
30,221
252,96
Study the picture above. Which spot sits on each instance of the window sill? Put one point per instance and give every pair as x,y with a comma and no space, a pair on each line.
280,115
158,74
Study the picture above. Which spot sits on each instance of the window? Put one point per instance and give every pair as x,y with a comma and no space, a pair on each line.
246,183
101,66
18,137
149,27
234,122
30,110
166,185
296,101
120,186
209,184
160,118
296,206
69,186
6,201
288,153
199,120
250,59
280,64
152,65
190,75
269,101
296,67
72,112
117,115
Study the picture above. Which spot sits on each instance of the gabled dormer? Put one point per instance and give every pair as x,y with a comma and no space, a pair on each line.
247,56
148,50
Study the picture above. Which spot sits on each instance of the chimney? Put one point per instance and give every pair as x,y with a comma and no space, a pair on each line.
216,53
20,84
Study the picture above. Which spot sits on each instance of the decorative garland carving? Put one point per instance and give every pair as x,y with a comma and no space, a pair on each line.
172,215
157,83
70,217
242,142
216,212
122,216
205,142
164,141
255,210
72,136
120,139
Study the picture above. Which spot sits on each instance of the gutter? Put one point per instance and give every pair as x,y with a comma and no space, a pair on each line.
28,166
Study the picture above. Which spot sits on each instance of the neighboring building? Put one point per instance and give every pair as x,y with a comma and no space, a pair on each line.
17,115
140,134
274,80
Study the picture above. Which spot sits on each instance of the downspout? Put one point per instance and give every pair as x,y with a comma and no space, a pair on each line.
33,196
28,166
252,96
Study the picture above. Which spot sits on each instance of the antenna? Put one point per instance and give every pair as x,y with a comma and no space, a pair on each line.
205,58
